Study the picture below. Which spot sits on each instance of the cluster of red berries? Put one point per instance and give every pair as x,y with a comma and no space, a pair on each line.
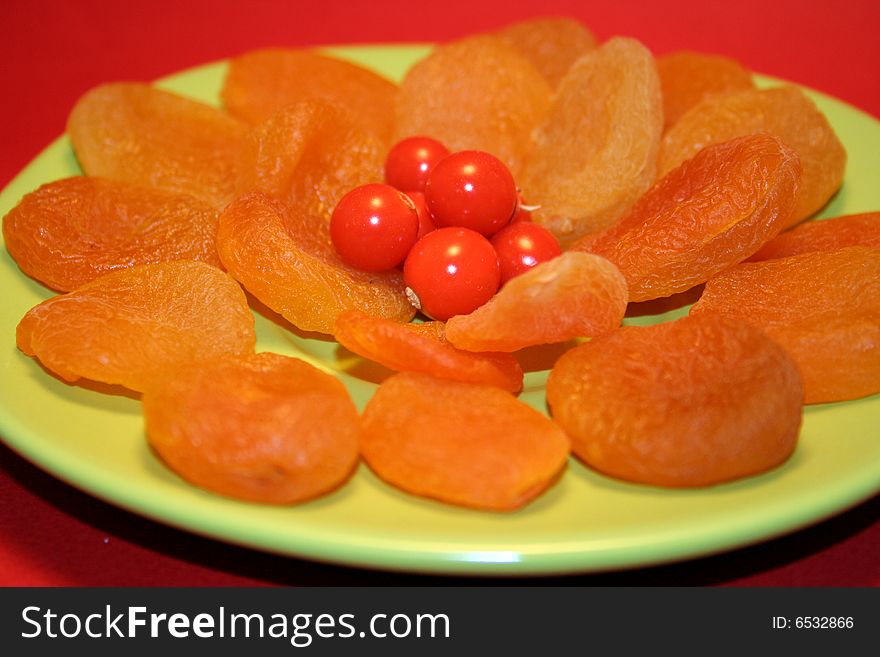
455,220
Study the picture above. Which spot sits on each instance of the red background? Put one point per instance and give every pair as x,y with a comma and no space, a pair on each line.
53,51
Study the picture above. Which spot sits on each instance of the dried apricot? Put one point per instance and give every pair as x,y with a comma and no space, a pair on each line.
310,155
460,443
708,214
826,235
423,348
71,231
596,152
139,134
822,307
288,432
474,94
286,259
261,82
131,326
573,295
687,77
551,44
693,402
785,112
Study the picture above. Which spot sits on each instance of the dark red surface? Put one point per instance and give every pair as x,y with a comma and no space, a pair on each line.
52,52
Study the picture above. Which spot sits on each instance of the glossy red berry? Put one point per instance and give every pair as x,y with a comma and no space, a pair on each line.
426,221
521,246
373,227
471,189
451,271
410,160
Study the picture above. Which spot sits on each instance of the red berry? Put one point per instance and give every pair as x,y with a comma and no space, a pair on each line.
426,221
521,246
451,271
410,161
373,227
471,189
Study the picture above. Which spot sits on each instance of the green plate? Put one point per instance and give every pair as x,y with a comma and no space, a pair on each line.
587,522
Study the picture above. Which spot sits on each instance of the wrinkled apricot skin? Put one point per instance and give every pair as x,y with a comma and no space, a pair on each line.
139,134
71,231
712,212
573,295
264,428
474,94
551,44
694,402
460,443
261,82
310,155
131,326
423,348
785,112
596,152
687,78
825,235
822,307
286,260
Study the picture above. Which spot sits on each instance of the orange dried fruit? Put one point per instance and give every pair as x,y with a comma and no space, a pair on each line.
286,259
310,155
460,443
474,94
825,235
711,212
261,82
288,431
693,402
139,134
424,348
573,295
596,152
785,112
686,78
132,326
551,44
71,231
822,307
